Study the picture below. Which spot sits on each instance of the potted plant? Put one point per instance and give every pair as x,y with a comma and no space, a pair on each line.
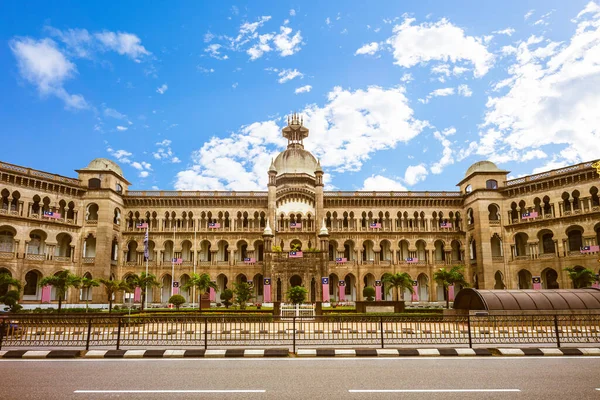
258,306
333,303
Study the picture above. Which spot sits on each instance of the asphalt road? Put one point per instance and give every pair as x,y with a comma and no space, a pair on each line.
333,378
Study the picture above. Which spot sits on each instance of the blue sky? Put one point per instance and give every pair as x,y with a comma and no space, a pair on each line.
397,95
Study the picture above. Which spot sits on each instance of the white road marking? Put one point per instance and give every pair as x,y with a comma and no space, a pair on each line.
430,390
175,391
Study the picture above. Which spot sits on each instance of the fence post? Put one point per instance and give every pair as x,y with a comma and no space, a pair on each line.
469,329
381,329
119,334
556,331
205,333
89,333
294,335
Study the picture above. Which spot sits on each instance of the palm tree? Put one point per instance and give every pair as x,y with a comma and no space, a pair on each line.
450,277
202,283
581,277
86,284
401,281
143,281
61,282
7,280
111,288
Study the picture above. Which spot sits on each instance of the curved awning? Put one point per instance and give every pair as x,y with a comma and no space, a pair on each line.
547,299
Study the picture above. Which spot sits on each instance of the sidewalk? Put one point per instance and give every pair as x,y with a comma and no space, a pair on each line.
284,352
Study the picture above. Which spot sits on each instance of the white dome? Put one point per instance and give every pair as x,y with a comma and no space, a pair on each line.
482,166
104,164
295,161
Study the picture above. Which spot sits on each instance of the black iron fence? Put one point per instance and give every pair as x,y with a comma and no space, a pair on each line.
222,331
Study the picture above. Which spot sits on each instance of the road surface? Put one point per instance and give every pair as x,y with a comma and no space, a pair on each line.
294,378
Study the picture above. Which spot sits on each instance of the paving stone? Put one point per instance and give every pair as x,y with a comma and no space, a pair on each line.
215,353
115,353
234,353
532,352
254,353
571,352
64,354
448,352
366,352
465,352
551,352
194,353
154,353
590,351
277,353
95,353
325,352
428,352
174,353
14,354
408,352
387,352
345,353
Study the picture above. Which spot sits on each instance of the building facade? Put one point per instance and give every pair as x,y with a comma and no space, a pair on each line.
504,232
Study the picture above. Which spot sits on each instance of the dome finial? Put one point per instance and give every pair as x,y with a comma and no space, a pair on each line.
268,231
323,230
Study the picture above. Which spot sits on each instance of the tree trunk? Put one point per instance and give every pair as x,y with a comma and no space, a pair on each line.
447,297
59,303
143,298
199,302
110,304
86,304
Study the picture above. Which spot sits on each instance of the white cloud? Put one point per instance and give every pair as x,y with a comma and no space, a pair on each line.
464,90
551,98
144,174
111,112
213,50
442,92
507,32
137,165
415,174
292,12
162,89
123,43
165,153
528,14
439,41
249,28
345,132
234,85
120,155
447,153
370,49
285,44
381,183
288,74
327,20
407,77
205,70
121,128
45,66
303,89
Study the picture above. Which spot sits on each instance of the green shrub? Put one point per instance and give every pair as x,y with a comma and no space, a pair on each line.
226,296
369,293
297,294
177,300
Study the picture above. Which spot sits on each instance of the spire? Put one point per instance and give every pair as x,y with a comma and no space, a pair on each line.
319,169
323,231
272,166
267,231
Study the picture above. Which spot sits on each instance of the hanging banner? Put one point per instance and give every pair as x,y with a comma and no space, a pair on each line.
415,294
325,283
46,292
537,282
378,290
175,287
267,290
451,293
342,285
137,294
212,295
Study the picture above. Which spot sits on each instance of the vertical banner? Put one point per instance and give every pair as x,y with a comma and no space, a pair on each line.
137,294
46,291
377,290
342,285
537,282
267,290
415,295
325,283
451,293
175,287
212,295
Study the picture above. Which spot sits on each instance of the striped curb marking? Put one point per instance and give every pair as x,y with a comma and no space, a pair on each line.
284,352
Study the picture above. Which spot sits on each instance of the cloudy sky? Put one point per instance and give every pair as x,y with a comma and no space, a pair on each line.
397,95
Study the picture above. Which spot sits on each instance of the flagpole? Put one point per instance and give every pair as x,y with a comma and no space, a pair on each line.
146,288
173,260
195,256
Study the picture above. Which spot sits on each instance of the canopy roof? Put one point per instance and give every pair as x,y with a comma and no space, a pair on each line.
547,299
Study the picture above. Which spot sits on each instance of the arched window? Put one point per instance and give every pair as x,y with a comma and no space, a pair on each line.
94,183
491,184
468,189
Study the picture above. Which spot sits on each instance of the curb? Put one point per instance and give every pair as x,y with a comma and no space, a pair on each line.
302,353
